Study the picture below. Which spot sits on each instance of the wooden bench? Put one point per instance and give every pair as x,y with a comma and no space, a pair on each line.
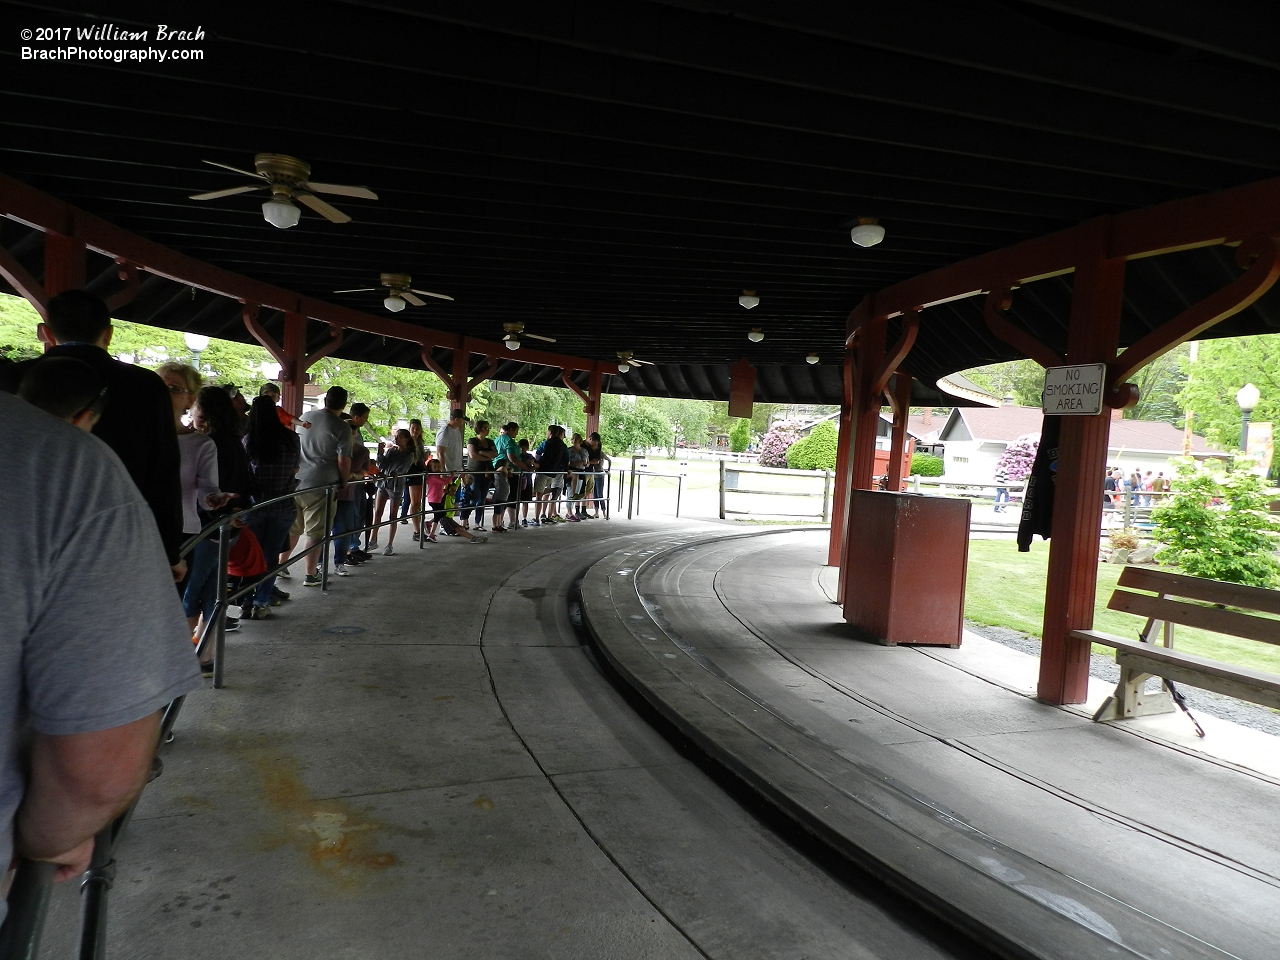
1190,602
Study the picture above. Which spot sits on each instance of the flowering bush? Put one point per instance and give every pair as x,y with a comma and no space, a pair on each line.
1019,456
773,449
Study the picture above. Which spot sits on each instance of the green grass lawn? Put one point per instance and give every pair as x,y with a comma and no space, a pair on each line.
1006,589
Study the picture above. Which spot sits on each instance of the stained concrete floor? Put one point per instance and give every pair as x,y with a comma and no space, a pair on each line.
427,762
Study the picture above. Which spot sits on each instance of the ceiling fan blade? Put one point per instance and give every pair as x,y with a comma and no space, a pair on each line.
229,192
643,363
410,298
342,190
358,290
428,293
247,173
322,208
535,336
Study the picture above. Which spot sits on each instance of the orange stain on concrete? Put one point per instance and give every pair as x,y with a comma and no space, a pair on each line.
336,838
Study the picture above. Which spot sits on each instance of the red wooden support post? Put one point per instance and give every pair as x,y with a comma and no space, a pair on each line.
63,263
1092,337
841,486
867,402
293,375
898,449
458,394
595,388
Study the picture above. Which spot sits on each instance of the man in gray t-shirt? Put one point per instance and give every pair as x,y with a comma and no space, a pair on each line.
326,459
93,641
449,442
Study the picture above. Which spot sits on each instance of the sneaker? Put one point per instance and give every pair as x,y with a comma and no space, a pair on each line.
415,537
231,625
524,523
479,539
389,551
574,519
371,545
311,580
260,613
358,556
206,669
431,538
277,595
284,574
341,570
404,521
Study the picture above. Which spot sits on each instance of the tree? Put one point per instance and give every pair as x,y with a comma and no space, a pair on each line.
392,393
773,448
533,407
1222,368
625,428
817,451
1021,379
1218,524
740,436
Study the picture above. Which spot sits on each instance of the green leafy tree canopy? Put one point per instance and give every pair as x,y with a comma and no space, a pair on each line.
740,436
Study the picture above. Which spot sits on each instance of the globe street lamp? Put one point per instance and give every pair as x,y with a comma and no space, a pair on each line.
1247,397
197,343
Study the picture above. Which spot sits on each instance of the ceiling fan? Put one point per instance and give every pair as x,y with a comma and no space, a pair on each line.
400,291
288,179
515,331
626,361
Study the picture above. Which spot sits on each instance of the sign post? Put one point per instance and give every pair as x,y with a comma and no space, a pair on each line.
1074,391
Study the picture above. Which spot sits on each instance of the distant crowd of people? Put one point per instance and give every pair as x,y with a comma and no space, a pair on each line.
1141,489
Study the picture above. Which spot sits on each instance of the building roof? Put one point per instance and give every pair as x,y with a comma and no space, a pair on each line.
1006,424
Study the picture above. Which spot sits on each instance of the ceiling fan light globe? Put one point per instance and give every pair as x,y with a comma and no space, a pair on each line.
513,343
811,358
281,213
394,304
867,234
624,367
756,335
749,301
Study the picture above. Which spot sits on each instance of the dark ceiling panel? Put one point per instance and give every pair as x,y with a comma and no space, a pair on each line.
614,175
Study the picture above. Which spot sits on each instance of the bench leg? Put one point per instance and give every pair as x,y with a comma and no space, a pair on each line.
1132,700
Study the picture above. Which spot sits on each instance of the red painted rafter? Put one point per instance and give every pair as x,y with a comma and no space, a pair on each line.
38,210
23,282
998,301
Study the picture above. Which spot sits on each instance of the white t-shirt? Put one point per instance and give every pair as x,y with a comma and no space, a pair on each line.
93,635
449,448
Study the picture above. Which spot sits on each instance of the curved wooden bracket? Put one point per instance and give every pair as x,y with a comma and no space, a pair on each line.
249,313
24,283
998,301
895,356
482,376
127,272
568,382
315,357
429,362
1261,255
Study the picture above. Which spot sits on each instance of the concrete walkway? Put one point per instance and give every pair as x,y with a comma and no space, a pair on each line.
1169,853
427,762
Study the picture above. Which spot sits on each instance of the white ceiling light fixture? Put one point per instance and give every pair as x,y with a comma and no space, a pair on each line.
512,342
401,291
280,212
756,335
867,233
749,300
624,367
811,358
394,303
627,361
196,342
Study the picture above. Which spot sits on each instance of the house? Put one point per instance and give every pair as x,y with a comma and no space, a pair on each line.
975,437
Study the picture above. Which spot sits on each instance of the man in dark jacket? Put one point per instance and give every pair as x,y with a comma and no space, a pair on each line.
138,420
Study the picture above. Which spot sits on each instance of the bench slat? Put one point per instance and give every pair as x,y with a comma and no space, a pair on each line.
1198,588
1195,671
1192,615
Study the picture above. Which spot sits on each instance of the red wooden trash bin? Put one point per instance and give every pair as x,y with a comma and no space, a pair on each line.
904,567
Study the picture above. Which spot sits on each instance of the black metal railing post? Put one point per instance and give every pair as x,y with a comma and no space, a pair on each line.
220,609
28,903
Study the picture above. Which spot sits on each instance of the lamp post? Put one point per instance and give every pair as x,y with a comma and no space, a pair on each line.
197,343
1247,398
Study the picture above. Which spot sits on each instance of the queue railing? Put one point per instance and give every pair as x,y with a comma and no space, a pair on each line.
32,883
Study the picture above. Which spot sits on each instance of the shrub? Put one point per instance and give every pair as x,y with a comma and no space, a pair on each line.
817,451
740,436
1219,525
1123,540
927,465
1019,456
773,448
